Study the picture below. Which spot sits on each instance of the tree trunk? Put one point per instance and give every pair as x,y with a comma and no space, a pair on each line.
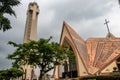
41,75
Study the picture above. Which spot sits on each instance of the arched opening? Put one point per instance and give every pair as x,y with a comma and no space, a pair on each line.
69,70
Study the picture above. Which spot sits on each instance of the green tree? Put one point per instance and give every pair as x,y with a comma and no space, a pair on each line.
41,53
10,73
6,8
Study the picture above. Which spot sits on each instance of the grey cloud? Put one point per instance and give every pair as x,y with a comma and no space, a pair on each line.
4,63
74,11
78,9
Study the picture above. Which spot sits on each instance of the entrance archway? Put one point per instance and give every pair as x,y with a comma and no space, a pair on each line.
70,67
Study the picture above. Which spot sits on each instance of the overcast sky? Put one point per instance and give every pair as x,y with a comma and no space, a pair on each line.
87,17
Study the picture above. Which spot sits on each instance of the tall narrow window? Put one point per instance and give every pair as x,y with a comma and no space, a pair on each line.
70,68
29,24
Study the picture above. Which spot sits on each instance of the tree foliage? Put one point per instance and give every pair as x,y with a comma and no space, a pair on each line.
10,73
41,53
6,7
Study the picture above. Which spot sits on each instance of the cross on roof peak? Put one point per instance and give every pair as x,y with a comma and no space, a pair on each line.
106,23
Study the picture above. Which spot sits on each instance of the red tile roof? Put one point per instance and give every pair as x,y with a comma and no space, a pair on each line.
96,53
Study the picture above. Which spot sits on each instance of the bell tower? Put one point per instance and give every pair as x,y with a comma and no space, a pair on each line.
31,22
30,34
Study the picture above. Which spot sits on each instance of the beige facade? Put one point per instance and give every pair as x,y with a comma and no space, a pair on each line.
95,56
30,34
31,22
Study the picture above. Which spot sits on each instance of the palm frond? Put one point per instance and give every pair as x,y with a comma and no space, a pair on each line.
10,2
4,23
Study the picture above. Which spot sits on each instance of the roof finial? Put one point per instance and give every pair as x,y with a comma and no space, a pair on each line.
106,23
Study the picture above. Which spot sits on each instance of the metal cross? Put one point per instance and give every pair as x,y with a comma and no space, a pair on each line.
106,23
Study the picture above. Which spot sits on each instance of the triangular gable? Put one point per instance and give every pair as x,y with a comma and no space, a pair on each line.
77,43
109,68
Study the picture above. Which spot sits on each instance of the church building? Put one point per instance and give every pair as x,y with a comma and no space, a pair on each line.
94,56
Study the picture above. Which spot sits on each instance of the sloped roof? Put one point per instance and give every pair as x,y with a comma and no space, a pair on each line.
79,43
96,53
102,51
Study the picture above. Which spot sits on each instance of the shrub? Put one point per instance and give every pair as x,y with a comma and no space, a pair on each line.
101,78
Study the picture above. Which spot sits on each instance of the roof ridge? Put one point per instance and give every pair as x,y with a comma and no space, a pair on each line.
71,30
